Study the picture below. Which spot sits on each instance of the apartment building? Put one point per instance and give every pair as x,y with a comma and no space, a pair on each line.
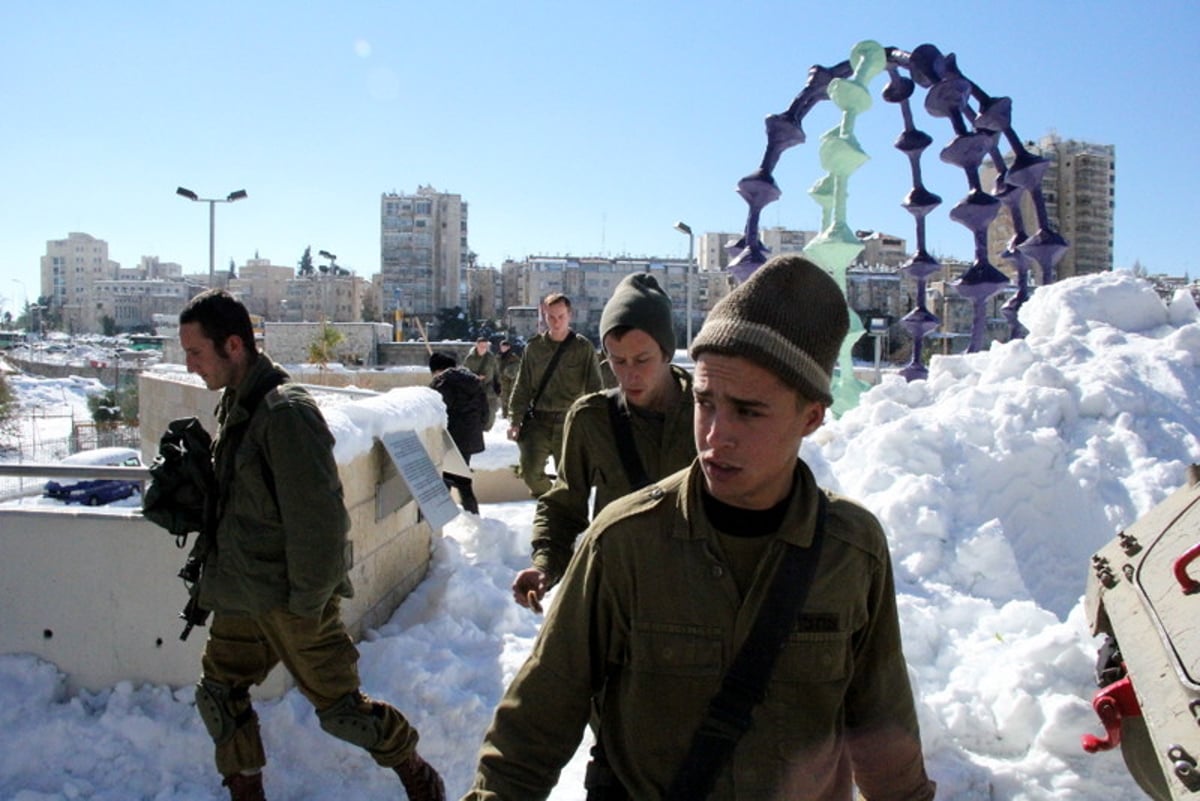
262,287
1079,188
715,250
69,272
423,251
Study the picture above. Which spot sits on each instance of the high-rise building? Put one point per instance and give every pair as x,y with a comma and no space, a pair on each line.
423,251
1079,190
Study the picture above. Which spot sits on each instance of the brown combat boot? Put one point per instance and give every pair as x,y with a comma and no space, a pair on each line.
421,781
245,787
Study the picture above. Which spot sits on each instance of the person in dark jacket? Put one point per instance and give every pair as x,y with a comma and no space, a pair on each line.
467,410
276,570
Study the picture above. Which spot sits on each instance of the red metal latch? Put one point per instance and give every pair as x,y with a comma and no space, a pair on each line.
1112,703
1189,584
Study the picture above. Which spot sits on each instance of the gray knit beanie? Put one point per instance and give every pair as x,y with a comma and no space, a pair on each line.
639,302
789,317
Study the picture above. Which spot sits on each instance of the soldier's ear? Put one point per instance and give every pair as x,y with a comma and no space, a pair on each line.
813,415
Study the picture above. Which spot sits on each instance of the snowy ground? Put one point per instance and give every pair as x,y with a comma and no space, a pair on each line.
995,479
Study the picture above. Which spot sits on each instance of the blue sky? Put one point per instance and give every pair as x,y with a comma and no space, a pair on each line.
568,127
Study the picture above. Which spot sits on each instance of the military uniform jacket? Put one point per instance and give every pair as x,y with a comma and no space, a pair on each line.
591,459
510,365
486,366
281,521
577,374
647,620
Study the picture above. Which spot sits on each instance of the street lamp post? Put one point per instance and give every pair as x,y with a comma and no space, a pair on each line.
212,219
684,228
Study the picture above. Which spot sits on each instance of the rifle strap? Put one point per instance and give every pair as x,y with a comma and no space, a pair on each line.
622,425
550,368
729,713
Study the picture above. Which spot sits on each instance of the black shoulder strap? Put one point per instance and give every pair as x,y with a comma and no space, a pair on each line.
729,712
618,415
550,368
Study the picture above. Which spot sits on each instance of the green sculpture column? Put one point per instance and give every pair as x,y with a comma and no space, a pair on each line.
836,247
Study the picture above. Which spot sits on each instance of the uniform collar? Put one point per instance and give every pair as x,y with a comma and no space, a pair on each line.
797,528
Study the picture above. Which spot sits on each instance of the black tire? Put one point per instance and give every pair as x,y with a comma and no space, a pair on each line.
93,500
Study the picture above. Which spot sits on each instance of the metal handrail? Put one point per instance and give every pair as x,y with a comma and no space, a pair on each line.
56,470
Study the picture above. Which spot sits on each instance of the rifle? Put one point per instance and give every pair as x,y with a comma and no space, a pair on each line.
181,498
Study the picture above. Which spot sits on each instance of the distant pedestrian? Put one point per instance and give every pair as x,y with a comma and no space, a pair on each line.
486,365
558,367
466,410
510,365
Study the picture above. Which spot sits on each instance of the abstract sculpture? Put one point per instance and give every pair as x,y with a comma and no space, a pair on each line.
978,121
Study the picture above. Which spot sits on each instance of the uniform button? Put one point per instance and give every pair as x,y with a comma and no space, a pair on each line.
656,493
717,571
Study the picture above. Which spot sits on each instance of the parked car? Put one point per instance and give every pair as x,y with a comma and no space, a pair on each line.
96,491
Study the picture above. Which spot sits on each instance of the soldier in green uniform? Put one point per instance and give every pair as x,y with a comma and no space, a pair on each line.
483,363
275,573
650,411
510,365
671,580
539,403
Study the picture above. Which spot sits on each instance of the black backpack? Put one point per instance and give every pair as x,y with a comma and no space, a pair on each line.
182,482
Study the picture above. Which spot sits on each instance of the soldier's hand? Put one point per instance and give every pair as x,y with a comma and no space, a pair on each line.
514,432
529,588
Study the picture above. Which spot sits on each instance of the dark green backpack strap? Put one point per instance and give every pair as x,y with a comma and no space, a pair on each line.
730,711
622,425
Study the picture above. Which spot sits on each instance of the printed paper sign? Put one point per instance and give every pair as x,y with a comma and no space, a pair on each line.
422,477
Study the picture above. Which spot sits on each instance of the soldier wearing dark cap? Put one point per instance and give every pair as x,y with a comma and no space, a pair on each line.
466,416
671,581
619,439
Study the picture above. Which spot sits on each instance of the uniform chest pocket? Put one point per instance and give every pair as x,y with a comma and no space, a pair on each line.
253,485
675,649
810,657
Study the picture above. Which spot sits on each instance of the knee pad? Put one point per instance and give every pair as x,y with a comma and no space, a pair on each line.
213,703
346,720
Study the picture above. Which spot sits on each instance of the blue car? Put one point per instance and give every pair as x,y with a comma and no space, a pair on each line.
96,492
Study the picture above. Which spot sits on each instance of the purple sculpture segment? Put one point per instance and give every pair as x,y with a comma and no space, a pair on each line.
919,201
978,122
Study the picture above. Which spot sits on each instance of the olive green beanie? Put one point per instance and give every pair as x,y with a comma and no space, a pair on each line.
639,302
789,317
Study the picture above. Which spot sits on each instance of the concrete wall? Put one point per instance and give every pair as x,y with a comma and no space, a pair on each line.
96,592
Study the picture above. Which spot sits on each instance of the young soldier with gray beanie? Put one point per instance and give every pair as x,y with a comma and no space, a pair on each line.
619,439
738,572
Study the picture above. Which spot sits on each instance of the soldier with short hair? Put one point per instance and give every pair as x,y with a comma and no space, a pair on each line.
558,367
277,571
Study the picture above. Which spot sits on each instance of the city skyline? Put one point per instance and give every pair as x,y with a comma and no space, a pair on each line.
566,131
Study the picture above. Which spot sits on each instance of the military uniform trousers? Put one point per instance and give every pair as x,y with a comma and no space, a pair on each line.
540,439
322,659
